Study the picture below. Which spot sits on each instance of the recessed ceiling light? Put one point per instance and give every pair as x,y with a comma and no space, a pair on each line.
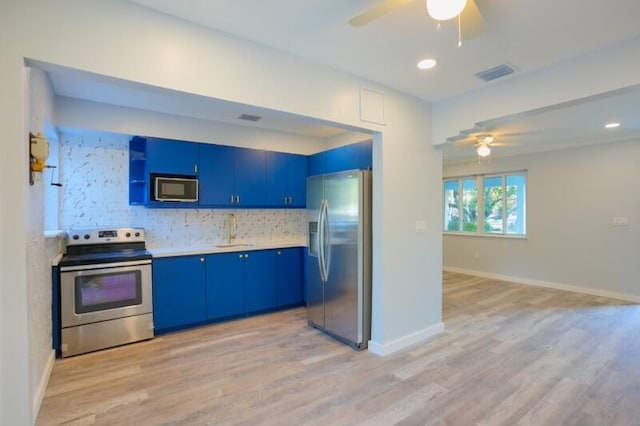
612,125
427,64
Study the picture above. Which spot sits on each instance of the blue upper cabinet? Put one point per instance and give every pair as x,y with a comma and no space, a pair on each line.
286,180
250,178
228,177
317,164
355,156
363,156
232,177
339,159
297,180
217,165
277,176
172,157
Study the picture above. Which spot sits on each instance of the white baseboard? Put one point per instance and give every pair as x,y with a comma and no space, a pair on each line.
404,342
42,385
539,283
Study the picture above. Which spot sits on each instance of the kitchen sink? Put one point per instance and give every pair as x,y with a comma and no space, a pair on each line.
228,245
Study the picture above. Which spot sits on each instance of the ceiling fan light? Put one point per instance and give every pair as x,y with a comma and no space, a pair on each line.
443,10
427,64
483,150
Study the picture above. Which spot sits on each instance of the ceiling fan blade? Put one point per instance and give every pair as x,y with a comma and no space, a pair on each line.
376,12
472,23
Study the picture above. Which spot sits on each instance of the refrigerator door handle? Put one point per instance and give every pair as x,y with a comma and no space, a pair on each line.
326,234
320,242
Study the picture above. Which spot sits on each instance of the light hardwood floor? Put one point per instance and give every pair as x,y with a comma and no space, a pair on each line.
510,355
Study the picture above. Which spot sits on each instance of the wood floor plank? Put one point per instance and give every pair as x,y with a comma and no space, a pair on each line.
510,354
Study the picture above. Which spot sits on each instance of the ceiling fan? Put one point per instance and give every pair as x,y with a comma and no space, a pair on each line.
483,143
471,23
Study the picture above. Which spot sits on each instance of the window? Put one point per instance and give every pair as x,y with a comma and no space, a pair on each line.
486,204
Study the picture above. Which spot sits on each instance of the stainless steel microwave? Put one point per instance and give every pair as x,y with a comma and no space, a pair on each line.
175,188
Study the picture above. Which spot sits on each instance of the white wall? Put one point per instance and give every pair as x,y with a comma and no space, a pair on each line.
406,179
40,251
95,192
343,139
572,196
124,41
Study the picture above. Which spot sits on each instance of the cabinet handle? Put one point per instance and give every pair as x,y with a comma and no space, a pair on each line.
202,259
240,256
290,200
195,168
246,256
237,199
231,199
285,200
279,253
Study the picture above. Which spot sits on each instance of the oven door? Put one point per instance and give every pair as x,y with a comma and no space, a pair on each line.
93,293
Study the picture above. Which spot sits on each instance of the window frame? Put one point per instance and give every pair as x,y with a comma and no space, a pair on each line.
479,180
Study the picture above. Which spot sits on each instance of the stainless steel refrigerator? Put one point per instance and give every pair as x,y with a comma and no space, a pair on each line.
338,264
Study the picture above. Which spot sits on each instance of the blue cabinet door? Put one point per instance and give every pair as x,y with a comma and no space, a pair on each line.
317,164
225,290
217,165
348,157
338,159
171,157
297,180
277,178
363,158
250,177
178,291
259,280
286,180
289,276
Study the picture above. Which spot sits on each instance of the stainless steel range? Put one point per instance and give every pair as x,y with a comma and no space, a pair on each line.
105,290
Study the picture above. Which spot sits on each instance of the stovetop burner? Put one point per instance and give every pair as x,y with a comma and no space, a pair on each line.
105,257
95,246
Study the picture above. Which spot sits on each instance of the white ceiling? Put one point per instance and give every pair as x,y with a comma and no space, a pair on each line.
527,34
576,123
530,34
98,88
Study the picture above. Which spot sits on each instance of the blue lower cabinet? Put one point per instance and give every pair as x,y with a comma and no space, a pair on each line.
191,290
225,292
289,277
178,292
259,280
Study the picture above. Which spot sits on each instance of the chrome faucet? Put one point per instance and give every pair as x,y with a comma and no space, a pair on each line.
231,221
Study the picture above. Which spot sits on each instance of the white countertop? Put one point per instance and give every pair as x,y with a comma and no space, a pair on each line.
213,249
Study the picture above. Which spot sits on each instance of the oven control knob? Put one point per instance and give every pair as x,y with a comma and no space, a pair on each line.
128,234
137,234
87,236
76,236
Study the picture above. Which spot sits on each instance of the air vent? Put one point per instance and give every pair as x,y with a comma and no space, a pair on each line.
495,72
249,117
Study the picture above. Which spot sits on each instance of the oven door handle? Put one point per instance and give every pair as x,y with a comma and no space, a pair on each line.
105,265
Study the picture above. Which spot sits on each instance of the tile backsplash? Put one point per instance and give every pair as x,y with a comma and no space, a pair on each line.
95,193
